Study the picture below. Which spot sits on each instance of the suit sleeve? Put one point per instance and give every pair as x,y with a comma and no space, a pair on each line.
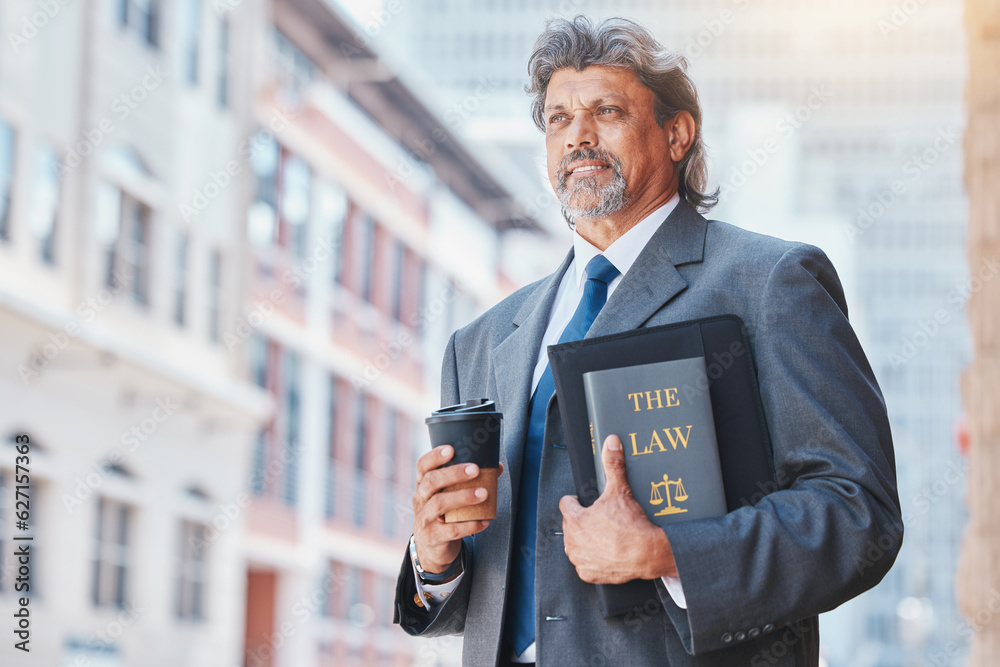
833,528
447,618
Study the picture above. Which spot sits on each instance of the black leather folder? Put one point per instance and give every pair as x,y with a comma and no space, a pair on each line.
741,430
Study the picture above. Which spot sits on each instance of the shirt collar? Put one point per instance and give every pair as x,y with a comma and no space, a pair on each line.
626,248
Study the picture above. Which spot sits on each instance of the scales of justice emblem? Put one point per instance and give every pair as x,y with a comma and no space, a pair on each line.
679,494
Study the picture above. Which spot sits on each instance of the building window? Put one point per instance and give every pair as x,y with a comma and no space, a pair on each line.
367,257
360,437
261,217
331,440
295,69
331,211
45,201
189,14
257,478
360,430
420,298
214,295
388,498
180,278
337,576
223,93
296,182
292,415
353,591
123,223
359,588
391,442
142,17
111,552
398,271
138,248
259,358
191,574
6,177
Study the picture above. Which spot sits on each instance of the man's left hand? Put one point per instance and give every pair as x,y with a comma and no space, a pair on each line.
612,541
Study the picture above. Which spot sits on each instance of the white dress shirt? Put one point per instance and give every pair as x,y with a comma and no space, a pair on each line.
622,254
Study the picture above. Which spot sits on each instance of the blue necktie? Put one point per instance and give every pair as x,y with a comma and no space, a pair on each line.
521,606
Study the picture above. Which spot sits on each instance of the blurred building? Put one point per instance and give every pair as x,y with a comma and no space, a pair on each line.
232,246
836,124
979,577
380,233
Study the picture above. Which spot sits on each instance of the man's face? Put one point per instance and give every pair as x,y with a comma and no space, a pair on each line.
605,150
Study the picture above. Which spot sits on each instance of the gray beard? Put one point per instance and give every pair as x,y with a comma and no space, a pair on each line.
610,198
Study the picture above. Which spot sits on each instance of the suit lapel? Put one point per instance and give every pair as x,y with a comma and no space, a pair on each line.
513,362
653,279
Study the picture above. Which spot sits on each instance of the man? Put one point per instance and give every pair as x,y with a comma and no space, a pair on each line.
623,139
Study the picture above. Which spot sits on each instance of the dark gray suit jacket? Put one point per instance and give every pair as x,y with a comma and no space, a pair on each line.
754,579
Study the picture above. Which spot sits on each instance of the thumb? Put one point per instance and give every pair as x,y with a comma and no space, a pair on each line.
613,459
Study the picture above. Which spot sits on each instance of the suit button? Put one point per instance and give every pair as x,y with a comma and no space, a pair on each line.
727,638
740,636
754,633
769,627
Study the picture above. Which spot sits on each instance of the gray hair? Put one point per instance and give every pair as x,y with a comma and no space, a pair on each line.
618,42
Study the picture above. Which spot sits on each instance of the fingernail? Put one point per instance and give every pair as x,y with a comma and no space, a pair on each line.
470,470
445,452
480,493
614,445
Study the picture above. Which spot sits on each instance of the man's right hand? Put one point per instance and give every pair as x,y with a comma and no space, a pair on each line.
437,542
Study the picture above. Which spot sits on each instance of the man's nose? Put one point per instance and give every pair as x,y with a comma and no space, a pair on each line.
582,131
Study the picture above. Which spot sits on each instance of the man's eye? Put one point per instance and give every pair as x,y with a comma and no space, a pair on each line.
557,118
606,110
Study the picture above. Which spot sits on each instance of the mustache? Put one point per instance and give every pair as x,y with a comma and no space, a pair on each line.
588,154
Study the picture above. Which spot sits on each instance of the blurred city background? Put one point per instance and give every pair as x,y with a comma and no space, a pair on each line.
236,234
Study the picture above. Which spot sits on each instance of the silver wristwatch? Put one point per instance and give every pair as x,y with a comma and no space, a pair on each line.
430,577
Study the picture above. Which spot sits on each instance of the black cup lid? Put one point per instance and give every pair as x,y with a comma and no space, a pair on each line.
473,407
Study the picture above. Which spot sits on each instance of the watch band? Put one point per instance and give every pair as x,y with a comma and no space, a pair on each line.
430,577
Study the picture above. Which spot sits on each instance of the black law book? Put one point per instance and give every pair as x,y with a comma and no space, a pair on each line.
741,431
662,412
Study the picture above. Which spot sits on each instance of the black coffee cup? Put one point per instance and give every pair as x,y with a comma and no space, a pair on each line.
473,430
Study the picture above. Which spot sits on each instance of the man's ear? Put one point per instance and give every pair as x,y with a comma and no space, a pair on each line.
680,132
